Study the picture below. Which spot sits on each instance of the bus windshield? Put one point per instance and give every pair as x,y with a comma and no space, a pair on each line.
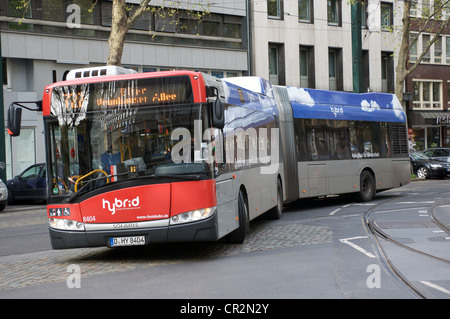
89,150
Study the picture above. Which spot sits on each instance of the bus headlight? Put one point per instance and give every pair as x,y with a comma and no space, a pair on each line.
65,224
192,216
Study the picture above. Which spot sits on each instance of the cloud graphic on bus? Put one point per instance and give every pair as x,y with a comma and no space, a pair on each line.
300,95
397,107
369,107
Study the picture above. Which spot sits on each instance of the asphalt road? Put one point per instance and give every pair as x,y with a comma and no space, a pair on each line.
397,246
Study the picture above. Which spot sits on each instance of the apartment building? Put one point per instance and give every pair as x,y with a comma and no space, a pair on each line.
308,43
429,108
54,36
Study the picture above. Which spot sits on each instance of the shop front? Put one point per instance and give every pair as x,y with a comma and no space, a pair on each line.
429,129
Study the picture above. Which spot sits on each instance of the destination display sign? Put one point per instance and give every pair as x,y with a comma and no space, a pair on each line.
112,95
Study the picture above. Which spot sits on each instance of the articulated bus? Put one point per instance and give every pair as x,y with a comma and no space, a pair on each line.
341,143
175,156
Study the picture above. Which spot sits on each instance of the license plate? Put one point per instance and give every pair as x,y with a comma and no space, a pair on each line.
127,241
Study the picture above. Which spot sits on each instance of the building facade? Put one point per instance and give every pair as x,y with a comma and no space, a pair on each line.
429,108
42,42
309,44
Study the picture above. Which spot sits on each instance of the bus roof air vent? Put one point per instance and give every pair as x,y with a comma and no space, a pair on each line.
97,71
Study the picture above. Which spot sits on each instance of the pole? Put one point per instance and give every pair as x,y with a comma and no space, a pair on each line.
356,46
2,121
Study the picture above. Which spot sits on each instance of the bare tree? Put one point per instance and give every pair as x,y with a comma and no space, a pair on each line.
430,20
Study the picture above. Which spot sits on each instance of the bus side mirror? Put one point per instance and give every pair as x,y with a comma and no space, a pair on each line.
218,114
14,120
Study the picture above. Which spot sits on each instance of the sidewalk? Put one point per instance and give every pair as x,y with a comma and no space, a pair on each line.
23,207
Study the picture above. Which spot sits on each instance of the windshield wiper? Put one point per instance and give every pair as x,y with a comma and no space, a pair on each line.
83,188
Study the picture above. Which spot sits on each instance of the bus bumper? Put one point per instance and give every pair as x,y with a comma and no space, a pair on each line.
205,230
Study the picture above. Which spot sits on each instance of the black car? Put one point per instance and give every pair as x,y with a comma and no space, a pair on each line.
425,167
438,153
441,154
31,184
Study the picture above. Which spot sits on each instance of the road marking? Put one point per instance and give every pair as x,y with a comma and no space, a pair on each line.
419,202
335,211
338,209
360,249
437,287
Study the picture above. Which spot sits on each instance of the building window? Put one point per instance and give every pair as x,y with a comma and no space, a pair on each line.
335,75
307,67
427,95
275,9
276,64
448,93
305,11
386,16
15,11
447,49
387,72
5,71
438,50
364,14
334,12
425,41
413,8
413,48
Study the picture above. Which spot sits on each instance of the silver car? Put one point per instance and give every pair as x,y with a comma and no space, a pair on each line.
3,195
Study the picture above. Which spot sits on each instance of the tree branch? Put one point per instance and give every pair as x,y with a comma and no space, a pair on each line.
137,13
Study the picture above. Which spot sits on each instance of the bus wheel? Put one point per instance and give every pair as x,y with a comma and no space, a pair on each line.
277,211
367,186
238,235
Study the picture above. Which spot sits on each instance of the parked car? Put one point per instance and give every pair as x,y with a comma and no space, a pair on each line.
3,195
441,154
425,167
438,153
31,184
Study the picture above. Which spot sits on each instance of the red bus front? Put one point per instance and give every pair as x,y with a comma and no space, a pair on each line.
126,162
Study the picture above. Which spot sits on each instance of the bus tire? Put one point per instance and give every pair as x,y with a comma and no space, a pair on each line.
367,186
238,235
277,211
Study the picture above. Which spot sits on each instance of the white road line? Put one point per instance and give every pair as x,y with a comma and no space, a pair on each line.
360,249
419,202
335,211
437,287
338,209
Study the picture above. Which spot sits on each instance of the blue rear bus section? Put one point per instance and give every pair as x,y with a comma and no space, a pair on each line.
333,105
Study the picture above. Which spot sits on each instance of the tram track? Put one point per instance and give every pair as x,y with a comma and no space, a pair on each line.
378,236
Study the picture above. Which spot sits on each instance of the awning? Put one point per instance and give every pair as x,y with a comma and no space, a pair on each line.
430,118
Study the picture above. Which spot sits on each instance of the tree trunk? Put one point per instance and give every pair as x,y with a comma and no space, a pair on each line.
119,29
121,23
403,53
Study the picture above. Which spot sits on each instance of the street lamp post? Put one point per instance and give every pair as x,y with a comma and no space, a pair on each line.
356,46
